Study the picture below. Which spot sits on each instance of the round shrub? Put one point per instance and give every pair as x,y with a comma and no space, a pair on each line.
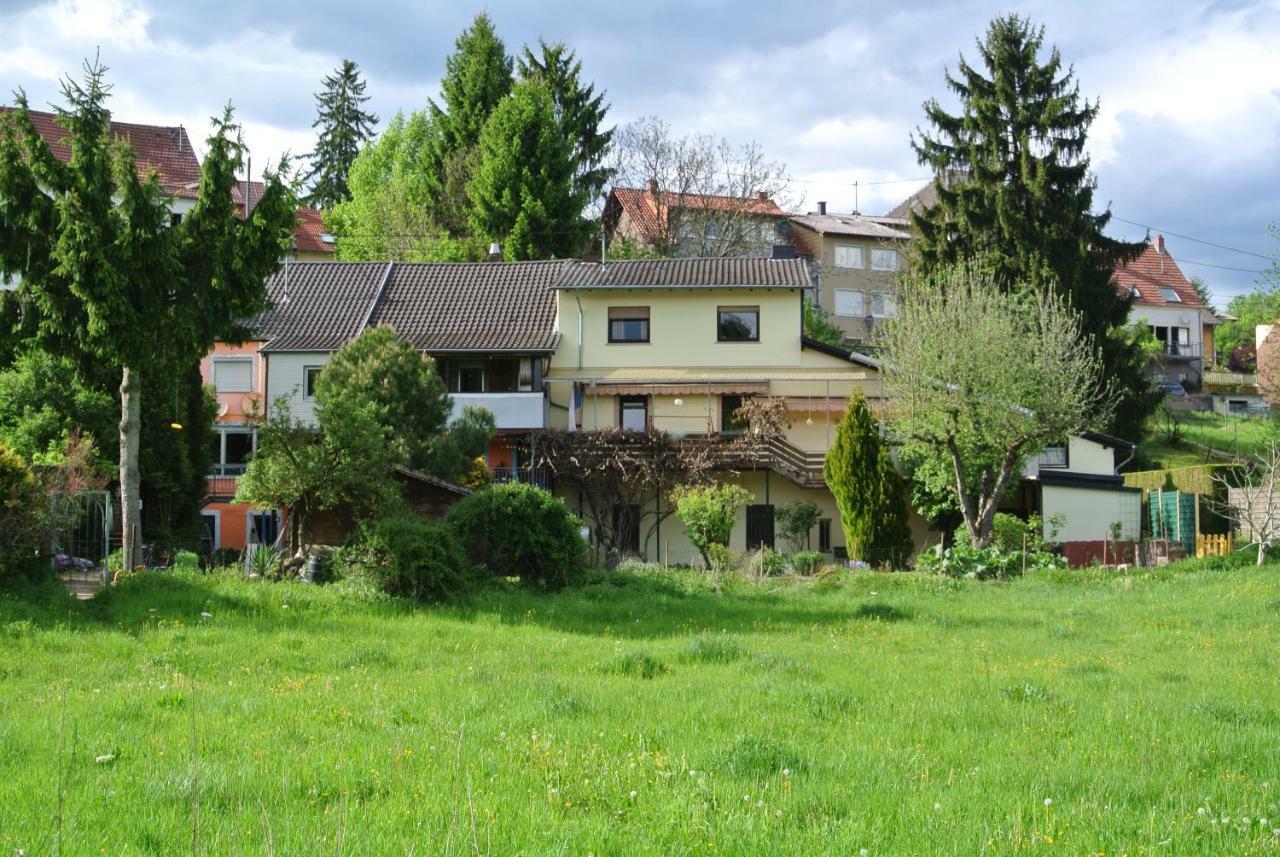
23,508
521,530
410,556
806,562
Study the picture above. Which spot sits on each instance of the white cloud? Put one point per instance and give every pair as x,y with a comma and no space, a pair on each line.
114,23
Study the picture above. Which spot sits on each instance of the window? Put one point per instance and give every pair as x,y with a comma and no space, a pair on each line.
310,376
233,374
264,527
883,305
710,231
824,535
525,378
1134,293
628,324
633,413
782,230
848,256
729,422
1053,456
759,527
232,449
626,527
1170,295
884,260
849,303
471,379
175,219
738,324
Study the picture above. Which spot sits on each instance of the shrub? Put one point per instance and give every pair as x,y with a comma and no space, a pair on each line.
522,530
1007,532
767,562
410,556
721,560
795,520
989,563
23,514
806,562
708,514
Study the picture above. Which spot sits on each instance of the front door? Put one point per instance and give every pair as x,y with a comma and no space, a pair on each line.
759,526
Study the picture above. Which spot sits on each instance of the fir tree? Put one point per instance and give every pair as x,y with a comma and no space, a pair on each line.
1014,188
344,126
523,192
579,110
477,77
107,280
867,490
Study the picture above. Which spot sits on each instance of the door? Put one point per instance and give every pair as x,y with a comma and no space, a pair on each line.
759,526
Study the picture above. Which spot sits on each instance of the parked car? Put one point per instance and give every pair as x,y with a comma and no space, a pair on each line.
1172,388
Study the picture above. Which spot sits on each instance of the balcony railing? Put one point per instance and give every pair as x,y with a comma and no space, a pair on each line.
510,410
527,475
1189,350
220,486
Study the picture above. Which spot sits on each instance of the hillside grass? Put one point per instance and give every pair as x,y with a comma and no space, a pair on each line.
1231,436
1069,712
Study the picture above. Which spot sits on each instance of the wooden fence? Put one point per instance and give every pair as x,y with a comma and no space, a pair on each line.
1212,546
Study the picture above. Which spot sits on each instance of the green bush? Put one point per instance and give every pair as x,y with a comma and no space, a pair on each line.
23,515
721,559
1007,532
522,530
806,562
989,563
767,562
708,514
410,556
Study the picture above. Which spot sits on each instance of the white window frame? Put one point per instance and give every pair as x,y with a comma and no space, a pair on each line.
888,305
305,371
217,361
879,254
1170,295
852,249
220,466
861,303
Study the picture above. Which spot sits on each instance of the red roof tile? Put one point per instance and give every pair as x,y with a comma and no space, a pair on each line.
1152,271
168,151
308,237
649,211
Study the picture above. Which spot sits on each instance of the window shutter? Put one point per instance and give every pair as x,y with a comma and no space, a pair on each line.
233,376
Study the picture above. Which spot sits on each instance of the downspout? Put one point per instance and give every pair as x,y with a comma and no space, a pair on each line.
577,296
1133,450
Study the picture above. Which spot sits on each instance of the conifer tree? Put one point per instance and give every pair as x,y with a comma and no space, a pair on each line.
344,126
477,77
1014,188
579,109
867,490
107,279
523,192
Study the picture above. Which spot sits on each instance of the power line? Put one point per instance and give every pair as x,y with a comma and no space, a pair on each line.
1199,241
1219,267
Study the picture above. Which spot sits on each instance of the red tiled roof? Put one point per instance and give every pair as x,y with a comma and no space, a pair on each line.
308,237
168,151
1152,271
648,212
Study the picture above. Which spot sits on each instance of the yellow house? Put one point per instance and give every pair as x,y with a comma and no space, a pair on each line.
675,345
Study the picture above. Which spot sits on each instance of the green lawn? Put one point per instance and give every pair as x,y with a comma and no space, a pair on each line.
1231,435
1067,713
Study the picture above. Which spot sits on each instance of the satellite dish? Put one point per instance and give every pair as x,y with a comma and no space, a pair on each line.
1184,318
223,407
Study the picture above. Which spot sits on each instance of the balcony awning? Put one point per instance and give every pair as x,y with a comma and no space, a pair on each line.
726,388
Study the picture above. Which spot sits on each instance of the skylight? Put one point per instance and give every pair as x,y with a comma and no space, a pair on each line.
1170,295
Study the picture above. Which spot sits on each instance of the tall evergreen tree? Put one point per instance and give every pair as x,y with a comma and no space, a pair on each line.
477,77
523,192
579,109
344,125
1014,188
107,279
867,489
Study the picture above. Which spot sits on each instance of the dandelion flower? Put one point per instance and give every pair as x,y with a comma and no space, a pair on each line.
633,794
1244,820
786,772
1200,812
1048,801
937,806
105,759
1262,822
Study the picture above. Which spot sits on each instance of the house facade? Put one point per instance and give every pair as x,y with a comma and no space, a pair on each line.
856,259
1166,302
676,346
695,224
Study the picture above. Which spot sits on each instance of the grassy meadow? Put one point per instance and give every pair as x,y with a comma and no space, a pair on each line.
1069,712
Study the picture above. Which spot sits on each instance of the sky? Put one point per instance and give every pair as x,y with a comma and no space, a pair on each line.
1187,141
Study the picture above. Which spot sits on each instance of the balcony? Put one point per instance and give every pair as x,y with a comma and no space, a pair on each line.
510,410
527,475
1181,350
218,488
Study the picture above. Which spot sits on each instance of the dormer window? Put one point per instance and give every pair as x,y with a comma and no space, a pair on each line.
1134,293
1170,295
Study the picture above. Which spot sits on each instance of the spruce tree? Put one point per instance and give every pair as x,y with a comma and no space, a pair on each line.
523,191
579,109
1015,189
477,77
344,126
867,490
108,280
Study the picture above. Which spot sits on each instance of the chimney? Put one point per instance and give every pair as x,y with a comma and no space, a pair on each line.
653,187
1160,244
822,206
495,252
762,196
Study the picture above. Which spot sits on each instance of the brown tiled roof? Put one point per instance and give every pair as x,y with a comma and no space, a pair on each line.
308,236
166,150
318,306
444,307
731,273
1149,273
924,198
648,211
472,306
858,225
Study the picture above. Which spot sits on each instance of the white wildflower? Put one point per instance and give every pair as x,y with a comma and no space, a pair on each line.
105,759
1262,822
205,615
633,794
786,772
1200,812
1048,801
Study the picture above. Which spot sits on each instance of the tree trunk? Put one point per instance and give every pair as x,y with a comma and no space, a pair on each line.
1262,552
130,493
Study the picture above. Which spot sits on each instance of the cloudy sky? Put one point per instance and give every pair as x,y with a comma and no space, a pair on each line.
1188,140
